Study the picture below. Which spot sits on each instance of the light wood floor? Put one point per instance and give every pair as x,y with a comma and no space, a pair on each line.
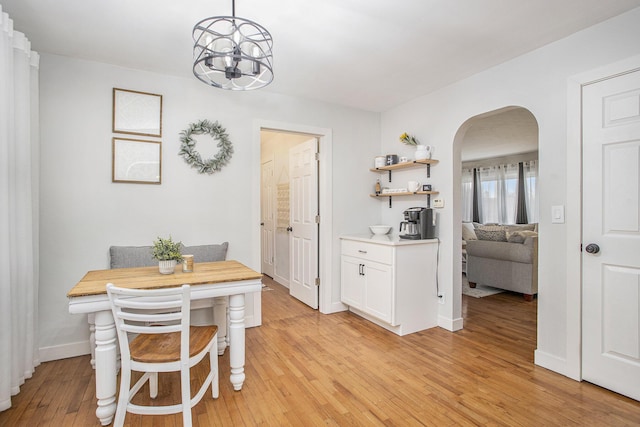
305,368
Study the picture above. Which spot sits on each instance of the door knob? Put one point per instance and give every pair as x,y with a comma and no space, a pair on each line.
289,228
262,223
592,248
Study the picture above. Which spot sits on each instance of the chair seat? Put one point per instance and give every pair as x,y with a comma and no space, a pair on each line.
163,348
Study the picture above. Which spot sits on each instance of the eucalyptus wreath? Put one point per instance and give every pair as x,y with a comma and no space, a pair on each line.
192,157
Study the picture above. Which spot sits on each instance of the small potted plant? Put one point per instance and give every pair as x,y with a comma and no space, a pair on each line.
168,253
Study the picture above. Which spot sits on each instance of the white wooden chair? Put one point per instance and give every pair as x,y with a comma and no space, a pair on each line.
165,343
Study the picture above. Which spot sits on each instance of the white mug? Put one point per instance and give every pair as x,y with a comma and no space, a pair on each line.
413,186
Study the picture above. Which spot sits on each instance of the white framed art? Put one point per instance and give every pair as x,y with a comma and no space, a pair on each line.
137,161
137,113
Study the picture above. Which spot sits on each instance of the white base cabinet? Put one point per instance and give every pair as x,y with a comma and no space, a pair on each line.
391,282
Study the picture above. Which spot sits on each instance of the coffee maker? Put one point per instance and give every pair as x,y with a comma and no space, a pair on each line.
419,223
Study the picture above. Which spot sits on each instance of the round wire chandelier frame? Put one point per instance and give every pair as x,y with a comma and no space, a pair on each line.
232,53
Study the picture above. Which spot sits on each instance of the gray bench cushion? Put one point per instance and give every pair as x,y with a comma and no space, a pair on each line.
207,253
131,256
140,256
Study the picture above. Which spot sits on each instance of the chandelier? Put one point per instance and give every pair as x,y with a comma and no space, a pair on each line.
232,53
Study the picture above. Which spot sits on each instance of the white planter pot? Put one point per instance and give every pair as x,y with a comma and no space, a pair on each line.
167,267
423,152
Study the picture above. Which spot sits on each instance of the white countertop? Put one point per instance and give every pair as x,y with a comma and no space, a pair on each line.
386,239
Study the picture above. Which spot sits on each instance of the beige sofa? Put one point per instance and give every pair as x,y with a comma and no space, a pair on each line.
509,262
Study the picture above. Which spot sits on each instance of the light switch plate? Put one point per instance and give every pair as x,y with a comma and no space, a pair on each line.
557,214
438,203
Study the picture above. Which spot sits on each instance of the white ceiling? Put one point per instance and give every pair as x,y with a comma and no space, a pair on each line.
501,133
368,54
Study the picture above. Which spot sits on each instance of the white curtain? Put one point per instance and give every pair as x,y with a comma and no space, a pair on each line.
499,193
467,195
18,210
530,187
498,197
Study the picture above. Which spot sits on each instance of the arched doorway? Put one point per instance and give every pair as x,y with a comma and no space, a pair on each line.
498,142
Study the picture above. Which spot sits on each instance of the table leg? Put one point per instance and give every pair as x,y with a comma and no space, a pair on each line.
236,340
220,319
105,363
91,318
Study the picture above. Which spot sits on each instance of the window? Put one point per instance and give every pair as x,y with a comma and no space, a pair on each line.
498,193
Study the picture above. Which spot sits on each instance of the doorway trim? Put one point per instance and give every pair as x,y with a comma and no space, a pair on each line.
325,181
572,366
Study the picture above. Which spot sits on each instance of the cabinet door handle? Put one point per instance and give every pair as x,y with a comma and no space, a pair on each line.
361,251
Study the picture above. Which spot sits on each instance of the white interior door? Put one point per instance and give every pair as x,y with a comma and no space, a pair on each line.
611,220
267,217
303,238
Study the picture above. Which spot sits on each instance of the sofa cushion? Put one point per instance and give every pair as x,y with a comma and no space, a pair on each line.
520,227
468,231
520,236
501,251
494,233
207,253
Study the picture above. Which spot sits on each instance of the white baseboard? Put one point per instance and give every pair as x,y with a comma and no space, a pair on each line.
281,280
451,324
64,351
334,307
555,364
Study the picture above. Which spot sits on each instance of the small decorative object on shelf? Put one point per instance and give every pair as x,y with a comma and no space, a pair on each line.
378,187
168,253
405,138
423,152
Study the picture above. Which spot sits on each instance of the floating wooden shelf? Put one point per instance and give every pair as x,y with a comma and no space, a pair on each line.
404,194
406,165
409,193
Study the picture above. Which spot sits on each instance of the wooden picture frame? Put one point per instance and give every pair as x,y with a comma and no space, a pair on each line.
137,113
136,161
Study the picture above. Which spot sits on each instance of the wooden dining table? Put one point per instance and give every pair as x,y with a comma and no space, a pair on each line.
211,284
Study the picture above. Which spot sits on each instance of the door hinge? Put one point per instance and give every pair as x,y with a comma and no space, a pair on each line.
317,156
317,219
317,281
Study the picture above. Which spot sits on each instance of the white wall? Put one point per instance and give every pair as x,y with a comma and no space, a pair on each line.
537,81
83,212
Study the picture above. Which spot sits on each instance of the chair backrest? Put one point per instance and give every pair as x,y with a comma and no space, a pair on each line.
151,311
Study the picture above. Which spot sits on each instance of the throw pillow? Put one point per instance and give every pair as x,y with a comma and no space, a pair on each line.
520,236
515,237
492,235
468,231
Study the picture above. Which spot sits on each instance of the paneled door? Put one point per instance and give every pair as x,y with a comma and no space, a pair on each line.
611,234
267,217
303,235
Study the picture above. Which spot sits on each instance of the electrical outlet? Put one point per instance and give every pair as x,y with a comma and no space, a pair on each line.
441,298
438,203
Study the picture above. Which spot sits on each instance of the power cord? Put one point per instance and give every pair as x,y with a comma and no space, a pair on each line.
437,266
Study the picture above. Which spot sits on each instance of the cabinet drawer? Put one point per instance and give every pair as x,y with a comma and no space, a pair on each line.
377,253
